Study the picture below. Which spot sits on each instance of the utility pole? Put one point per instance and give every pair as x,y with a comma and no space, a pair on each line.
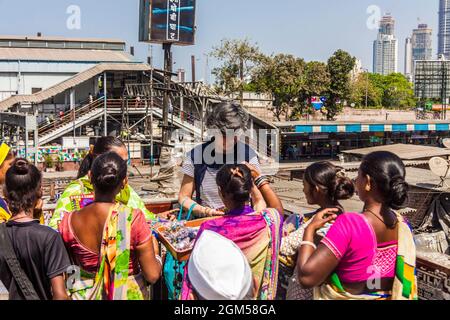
167,79
193,68
241,74
105,106
367,89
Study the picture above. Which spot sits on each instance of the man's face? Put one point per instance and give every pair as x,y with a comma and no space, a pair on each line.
226,141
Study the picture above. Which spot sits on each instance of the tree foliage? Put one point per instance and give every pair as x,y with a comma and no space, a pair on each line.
391,91
292,82
316,82
238,58
339,66
282,76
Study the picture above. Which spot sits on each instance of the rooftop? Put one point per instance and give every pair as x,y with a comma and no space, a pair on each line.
12,38
60,55
284,124
404,151
71,82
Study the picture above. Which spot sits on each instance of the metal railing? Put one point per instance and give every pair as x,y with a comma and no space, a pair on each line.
70,116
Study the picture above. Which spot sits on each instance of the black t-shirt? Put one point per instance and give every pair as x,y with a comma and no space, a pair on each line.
42,256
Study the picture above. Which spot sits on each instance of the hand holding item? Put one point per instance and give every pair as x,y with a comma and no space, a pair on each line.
209,212
169,215
322,218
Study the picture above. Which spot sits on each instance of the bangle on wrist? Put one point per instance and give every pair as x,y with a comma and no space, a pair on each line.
263,184
159,259
261,181
308,243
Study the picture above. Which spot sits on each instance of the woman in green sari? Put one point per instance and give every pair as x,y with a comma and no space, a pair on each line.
81,191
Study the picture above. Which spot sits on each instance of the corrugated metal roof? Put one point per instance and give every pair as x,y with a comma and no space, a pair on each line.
56,38
78,55
71,82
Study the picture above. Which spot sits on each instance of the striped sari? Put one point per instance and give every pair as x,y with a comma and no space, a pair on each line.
112,281
258,235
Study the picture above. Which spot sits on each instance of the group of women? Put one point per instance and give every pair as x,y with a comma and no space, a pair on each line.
100,226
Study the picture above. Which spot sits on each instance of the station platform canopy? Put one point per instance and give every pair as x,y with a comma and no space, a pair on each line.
358,127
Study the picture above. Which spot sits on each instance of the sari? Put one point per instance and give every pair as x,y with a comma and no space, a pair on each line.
5,215
405,281
258,235
112,280
79,192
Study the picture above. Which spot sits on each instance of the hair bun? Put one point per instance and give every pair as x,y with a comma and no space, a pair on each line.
398,192
344,189
21,167
109,175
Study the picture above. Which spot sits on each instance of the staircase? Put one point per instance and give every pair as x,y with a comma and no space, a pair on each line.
95,110
64,125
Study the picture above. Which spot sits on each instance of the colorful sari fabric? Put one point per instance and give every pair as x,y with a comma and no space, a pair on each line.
113,281
405,281
4,211
79,192
258,235
5,215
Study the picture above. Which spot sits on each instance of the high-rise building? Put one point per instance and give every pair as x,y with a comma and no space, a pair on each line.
418,47
387,25
422,43
409,62
385,48
444,28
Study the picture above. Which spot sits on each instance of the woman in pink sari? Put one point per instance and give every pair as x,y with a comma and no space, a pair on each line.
257,234
369,255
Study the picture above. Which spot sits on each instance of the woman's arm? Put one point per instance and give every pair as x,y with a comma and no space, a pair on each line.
315,266
258,201
185,199
151,267
270,197
59,288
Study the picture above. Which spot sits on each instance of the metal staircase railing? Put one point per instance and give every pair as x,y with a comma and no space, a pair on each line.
69,117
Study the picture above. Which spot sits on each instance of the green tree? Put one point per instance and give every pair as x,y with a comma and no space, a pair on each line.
282,76
238,59
316,82
398,92
339,66
363,85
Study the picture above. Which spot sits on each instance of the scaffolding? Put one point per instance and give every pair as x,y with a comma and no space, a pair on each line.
432,81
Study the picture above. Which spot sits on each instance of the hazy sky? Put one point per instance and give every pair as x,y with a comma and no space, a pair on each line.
309,29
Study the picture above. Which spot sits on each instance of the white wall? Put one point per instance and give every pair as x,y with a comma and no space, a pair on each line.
43,81
39,74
